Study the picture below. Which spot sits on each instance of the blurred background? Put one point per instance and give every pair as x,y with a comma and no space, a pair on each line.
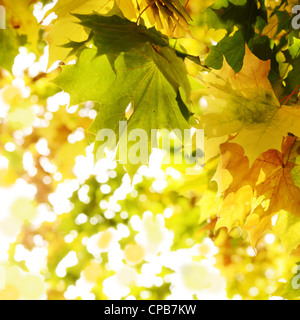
73,228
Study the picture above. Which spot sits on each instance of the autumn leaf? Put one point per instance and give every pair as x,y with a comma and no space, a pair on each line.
245,104
107,224
287,227
235,208
274,181
258,223
233,168
269,187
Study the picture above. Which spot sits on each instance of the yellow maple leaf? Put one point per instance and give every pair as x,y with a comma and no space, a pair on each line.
287,227
232,169
244,103
235,208
212,146
257,223
232,177
254,196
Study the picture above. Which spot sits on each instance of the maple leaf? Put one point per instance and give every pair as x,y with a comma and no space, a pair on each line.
66,27
287,228
141,71
89,79
232,48
212,146
235,208
254,196
245,103
232,169
113,34
257,223
274,180
144,78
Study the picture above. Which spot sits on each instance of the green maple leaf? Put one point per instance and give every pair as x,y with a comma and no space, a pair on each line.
232,48
245,16
147,79
133,66
77,47
242,14
113,34
88,80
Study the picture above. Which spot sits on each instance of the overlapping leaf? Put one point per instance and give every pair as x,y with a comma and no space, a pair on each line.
244,103
113,34
65,28
254,196
143,73
232,48
275,181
